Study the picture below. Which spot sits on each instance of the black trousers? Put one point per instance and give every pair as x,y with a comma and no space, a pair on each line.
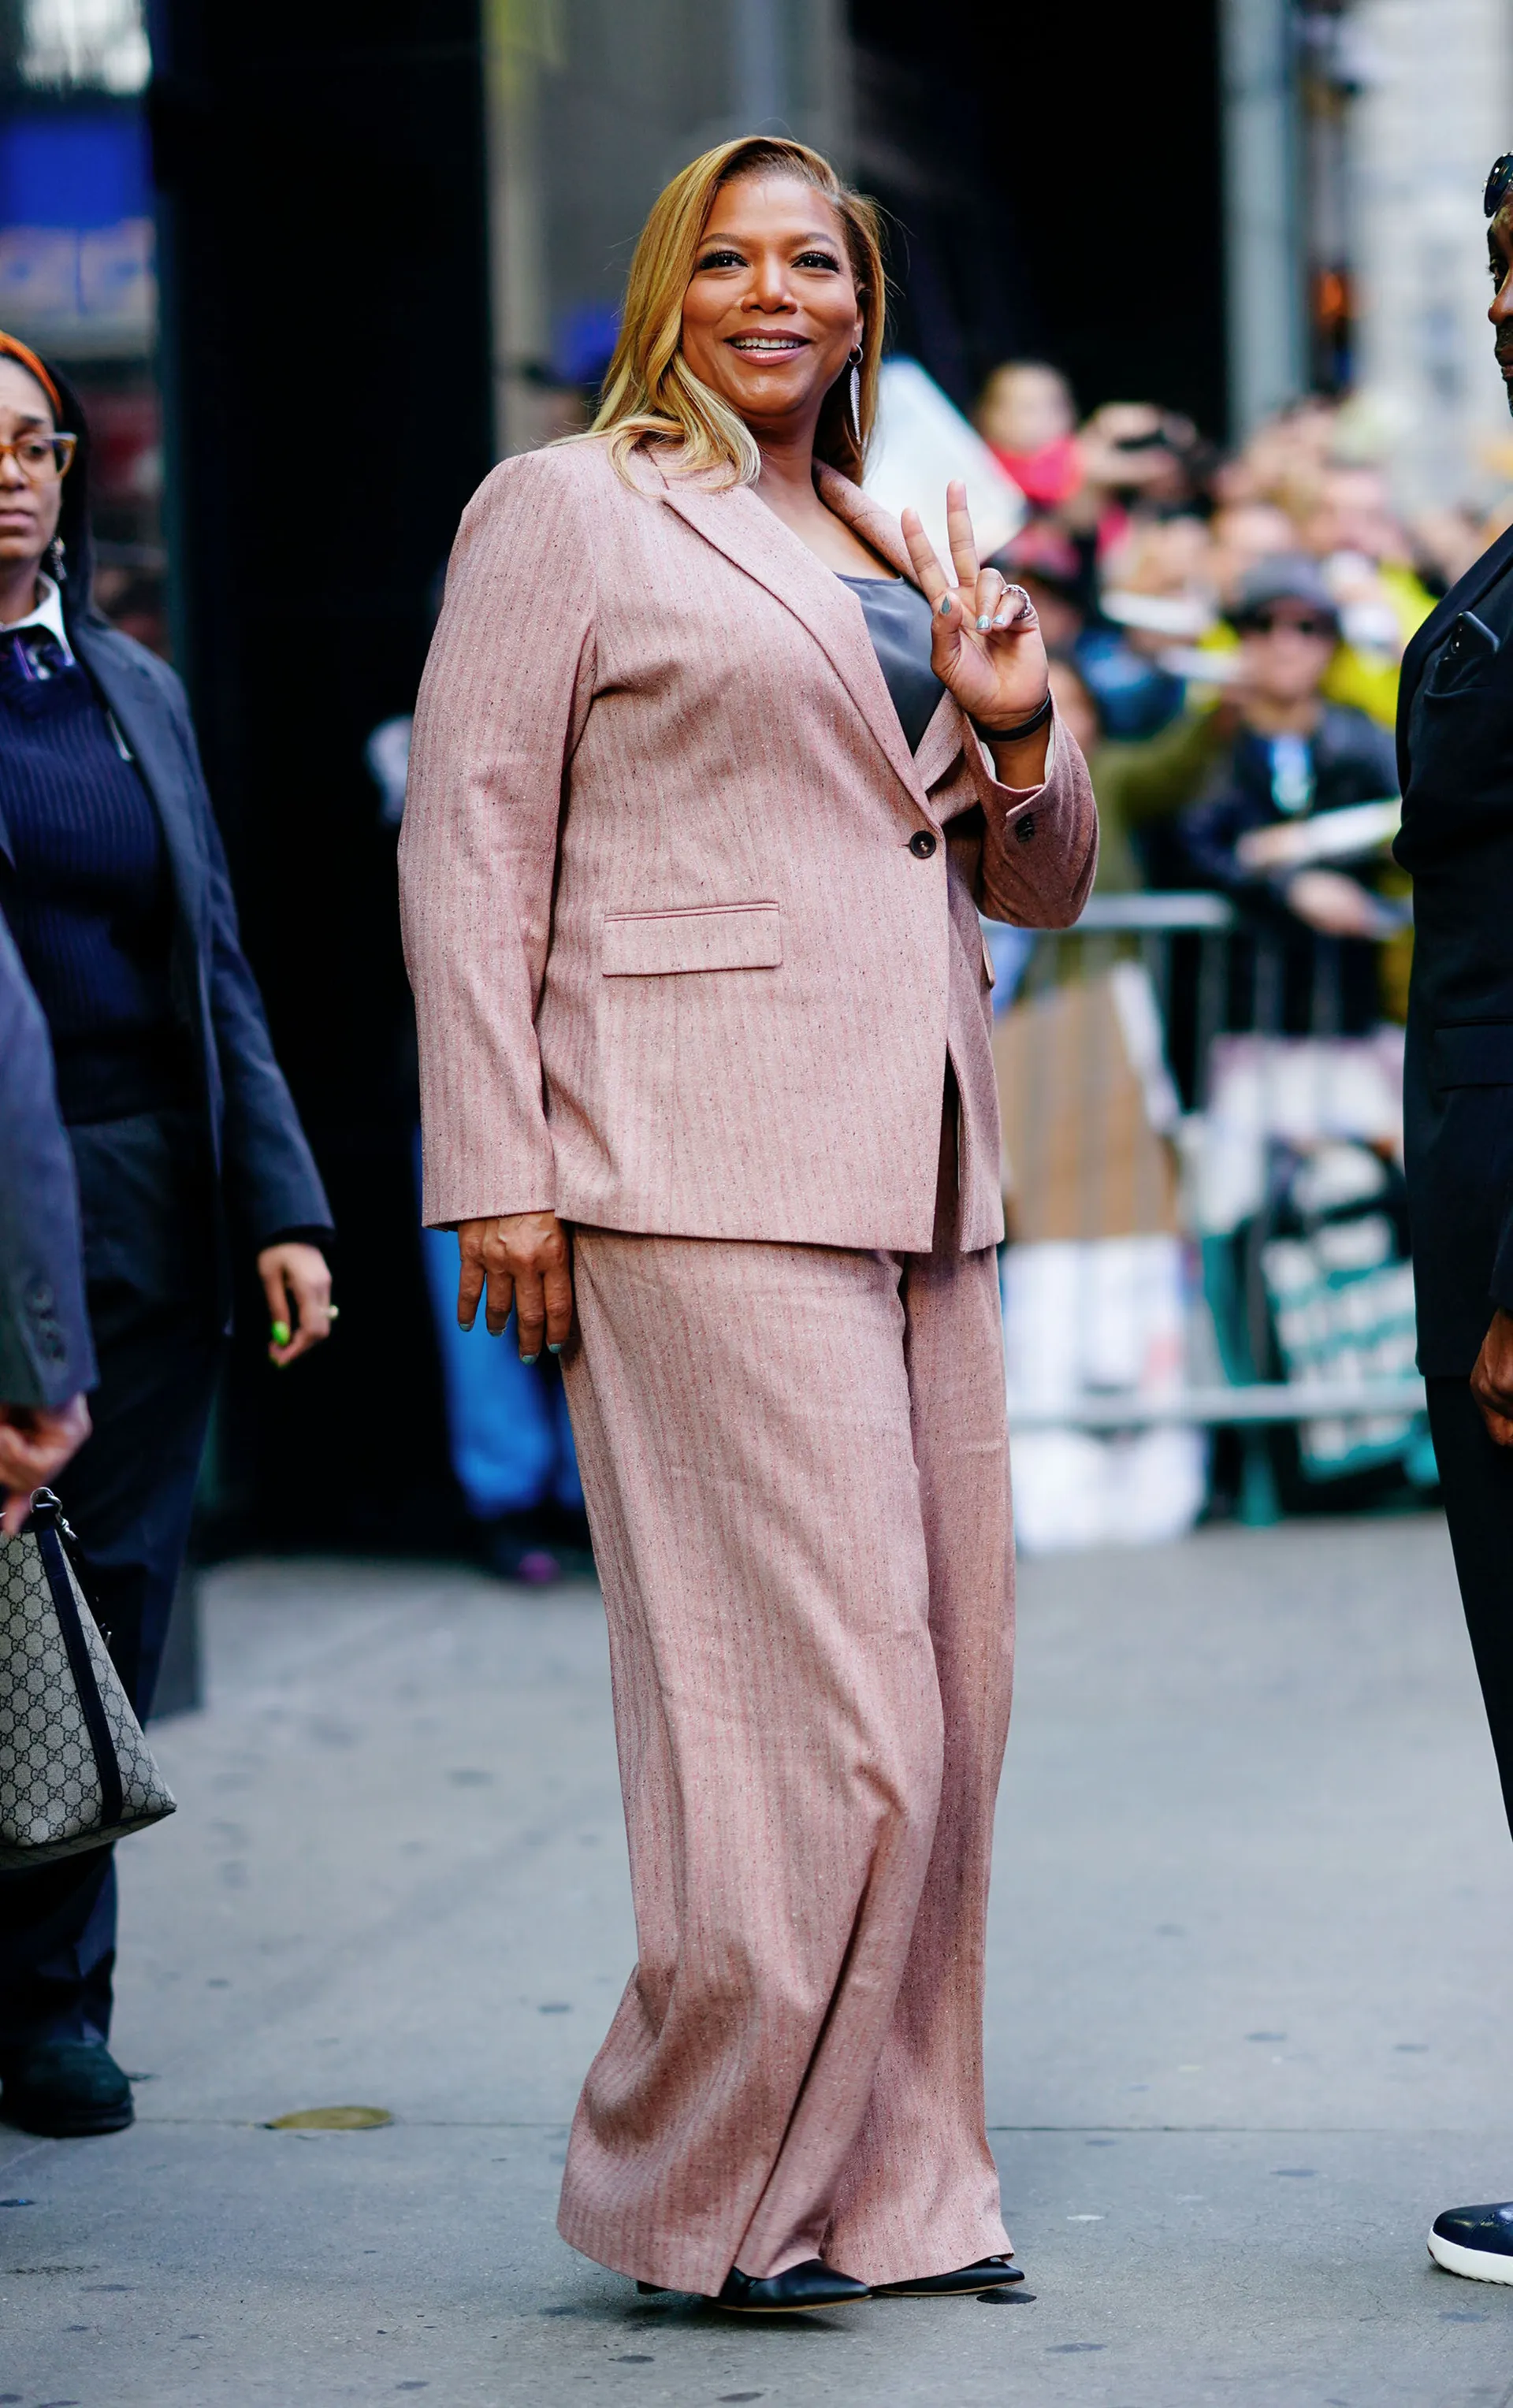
147,1207
1476,1479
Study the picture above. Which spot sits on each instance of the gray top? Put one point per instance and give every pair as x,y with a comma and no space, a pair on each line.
898,621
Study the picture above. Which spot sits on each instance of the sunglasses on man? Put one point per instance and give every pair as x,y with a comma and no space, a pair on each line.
1304,623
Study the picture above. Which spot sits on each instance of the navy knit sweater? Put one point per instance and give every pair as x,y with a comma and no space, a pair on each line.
88,891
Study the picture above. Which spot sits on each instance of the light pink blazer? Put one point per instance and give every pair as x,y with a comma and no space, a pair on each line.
676,968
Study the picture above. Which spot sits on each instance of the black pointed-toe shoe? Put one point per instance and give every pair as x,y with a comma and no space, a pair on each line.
813,2285
967,2282
68,2090
1475,2240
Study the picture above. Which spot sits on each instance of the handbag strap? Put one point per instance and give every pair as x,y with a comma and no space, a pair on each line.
66,1605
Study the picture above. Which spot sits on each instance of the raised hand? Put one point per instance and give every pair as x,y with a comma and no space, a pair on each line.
986,641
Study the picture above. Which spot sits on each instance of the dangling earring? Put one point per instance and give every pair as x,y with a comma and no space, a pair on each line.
55,565
856,391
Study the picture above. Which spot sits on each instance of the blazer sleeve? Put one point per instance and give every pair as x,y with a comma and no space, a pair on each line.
272,1187
1040,850
271,1183
46,1356
502,705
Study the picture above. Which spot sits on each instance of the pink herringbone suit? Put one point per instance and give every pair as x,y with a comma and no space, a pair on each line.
681,978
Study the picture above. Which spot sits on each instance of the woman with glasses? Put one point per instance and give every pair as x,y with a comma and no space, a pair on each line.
185,1140
713,767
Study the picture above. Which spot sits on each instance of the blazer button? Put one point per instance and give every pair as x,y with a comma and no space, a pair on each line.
921,844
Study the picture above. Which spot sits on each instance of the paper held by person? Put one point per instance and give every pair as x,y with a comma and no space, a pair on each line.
920,443
1354,833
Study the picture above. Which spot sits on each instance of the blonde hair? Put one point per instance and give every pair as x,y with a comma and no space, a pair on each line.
649,389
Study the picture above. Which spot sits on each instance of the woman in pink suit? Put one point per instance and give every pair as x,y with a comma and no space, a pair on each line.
711,772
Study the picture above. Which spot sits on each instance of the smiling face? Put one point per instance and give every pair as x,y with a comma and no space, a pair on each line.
1500,260
772,312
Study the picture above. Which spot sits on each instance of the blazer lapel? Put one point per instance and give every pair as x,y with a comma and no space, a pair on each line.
1464,595
128,691
944,739
756,539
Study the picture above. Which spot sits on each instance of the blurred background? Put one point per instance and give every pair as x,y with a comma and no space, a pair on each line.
316,269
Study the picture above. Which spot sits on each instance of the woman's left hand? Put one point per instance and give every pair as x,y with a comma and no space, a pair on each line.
297,1285
986,641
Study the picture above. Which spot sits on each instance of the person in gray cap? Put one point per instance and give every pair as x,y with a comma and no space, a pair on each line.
1289,756
1455,740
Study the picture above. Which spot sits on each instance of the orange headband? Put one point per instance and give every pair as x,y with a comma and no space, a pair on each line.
16,349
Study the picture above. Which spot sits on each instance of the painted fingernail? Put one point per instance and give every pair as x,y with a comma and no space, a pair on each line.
945,606
984,623
1002,619
554,1346
529,1360
279,1333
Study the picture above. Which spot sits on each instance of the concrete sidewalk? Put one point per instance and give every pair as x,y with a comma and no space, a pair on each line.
1249,2021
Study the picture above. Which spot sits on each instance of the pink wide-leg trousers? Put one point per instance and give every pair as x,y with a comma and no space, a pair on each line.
795,1468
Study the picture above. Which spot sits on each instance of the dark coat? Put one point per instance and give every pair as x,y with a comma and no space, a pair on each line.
266,1172
1352,763
1314,983
45,1352
1455,754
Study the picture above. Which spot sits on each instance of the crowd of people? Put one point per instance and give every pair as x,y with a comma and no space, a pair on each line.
1225,633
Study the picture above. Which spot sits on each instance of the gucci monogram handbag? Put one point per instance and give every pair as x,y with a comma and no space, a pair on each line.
75,1770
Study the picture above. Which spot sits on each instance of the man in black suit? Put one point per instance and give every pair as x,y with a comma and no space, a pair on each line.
46,1359
1455,749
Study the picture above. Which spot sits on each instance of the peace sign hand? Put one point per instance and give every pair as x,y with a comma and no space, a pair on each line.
986,644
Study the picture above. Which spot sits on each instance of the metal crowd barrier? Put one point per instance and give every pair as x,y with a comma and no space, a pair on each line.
1212,972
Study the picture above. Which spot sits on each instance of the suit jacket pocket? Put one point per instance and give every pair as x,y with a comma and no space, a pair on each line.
724,937
1463,662
1472,1053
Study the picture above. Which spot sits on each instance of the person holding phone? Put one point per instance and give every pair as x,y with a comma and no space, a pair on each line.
713,767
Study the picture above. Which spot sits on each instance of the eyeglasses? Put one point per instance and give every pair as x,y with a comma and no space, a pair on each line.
1498,184
1267,623
41,458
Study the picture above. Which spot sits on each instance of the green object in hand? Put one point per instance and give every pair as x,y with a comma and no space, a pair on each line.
279,1333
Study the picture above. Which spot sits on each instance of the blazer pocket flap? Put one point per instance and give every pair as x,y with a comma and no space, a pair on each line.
657,944
1473,1053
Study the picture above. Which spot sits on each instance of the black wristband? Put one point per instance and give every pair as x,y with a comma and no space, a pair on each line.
1030,726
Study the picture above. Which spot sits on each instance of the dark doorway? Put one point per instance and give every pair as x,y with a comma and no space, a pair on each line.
321,191
1055,176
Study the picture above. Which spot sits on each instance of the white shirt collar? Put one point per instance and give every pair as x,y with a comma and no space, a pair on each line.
47,612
